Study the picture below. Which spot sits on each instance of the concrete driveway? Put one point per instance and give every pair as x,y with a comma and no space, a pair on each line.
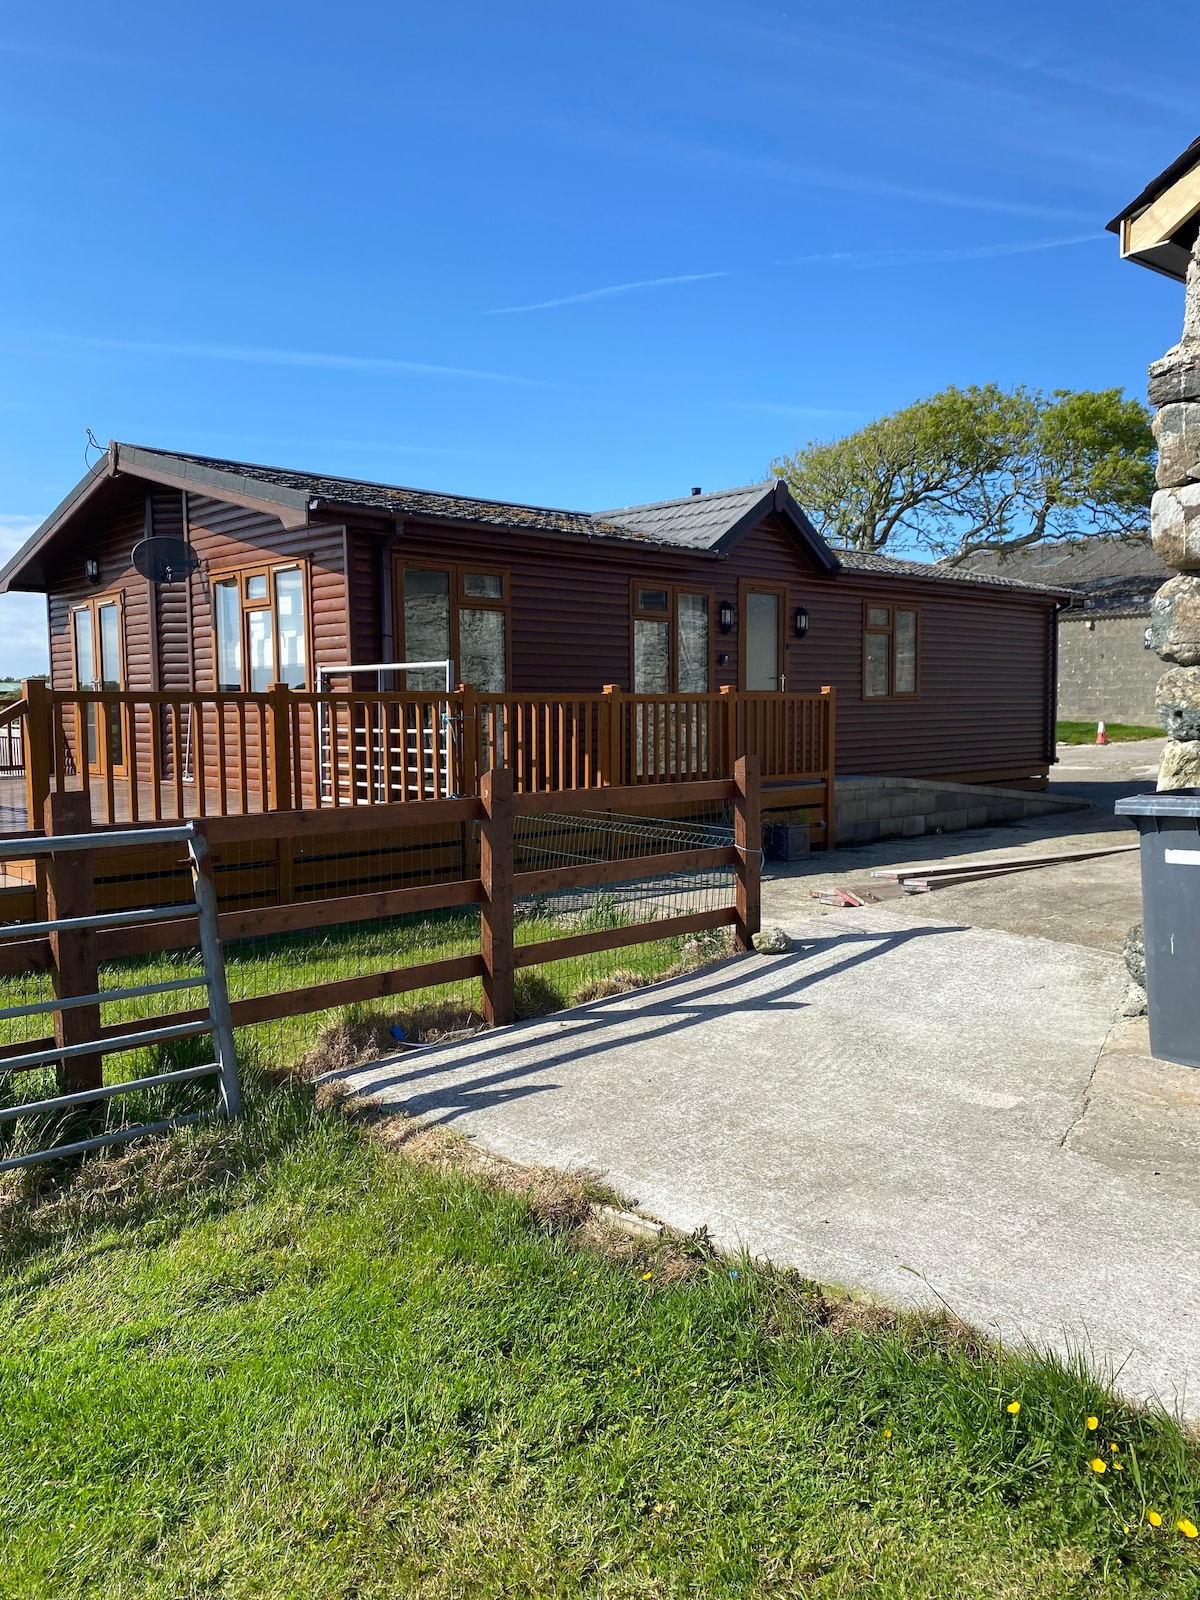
891,1107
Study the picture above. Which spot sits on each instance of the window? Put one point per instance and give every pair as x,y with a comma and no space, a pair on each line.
260,628
889,653
99,664
671,640
458,614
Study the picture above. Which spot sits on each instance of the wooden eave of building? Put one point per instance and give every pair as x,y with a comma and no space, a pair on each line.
1159,228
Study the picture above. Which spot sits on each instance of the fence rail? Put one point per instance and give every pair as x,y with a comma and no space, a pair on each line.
163,756
497,811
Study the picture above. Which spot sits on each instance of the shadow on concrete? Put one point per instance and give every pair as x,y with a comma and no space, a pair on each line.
583,1032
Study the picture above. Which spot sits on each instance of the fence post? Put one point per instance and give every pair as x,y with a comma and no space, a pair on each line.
279,702
829,743
469,740
496,907
747,839
70,892
729,731
37,746
611,741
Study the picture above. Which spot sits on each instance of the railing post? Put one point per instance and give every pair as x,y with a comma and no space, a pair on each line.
70,892
470,753
279,701
829,751
38,744
729,728
496,906
611,741
747,839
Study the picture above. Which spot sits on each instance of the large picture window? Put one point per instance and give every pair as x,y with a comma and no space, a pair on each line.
672,639
459,614
890,644
261,629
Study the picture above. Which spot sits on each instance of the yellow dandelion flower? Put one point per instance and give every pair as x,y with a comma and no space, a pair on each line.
1092,1424
1187,1529
1154,1518
646,1276
1013,1407
1118,1467
1114,1448
887,1433
1097,1465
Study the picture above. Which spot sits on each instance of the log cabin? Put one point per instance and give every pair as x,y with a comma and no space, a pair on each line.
938,673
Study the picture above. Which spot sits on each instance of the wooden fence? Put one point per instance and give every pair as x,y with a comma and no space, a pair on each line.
145,756
498,883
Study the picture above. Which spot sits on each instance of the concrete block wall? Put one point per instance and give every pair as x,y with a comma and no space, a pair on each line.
870,809
1105,672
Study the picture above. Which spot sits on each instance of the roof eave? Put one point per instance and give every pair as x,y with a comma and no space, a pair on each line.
85,490
778,498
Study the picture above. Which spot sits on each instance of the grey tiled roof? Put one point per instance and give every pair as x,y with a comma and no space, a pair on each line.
301,487
934,572
1098,571
697,522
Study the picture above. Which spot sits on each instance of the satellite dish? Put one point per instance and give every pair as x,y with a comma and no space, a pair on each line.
164,560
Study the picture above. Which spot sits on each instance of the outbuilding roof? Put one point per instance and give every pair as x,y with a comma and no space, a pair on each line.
1097,571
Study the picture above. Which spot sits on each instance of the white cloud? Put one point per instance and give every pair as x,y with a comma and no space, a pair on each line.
23,642
611,289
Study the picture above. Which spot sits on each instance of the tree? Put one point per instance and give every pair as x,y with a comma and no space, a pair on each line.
982,468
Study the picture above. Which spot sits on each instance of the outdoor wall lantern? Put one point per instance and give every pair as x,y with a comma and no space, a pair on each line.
801,622
725,616
91,569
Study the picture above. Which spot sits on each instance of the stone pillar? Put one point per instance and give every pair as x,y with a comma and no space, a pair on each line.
1175,531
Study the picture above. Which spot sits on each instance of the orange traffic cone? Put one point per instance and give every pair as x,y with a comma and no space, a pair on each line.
1101,735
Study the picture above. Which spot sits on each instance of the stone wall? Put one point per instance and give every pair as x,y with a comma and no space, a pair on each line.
1105,672
1175,532
869,809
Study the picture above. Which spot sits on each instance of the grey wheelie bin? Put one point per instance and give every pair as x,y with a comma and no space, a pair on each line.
1169,824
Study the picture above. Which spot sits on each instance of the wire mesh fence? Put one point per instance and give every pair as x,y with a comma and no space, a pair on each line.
652,880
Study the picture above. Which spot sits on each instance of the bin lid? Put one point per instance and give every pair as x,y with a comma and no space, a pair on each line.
1173,803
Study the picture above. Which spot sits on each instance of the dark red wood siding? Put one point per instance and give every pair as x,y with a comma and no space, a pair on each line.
985,654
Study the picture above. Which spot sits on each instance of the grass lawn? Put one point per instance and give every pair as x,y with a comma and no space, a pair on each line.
285,1359
1118,732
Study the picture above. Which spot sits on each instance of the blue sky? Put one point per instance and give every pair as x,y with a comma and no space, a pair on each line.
580,256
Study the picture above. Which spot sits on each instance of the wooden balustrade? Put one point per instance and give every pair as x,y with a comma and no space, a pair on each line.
143,756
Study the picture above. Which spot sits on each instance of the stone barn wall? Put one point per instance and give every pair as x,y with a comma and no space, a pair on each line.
1105,672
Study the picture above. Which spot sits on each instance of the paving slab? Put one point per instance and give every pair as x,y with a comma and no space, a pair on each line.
890,1108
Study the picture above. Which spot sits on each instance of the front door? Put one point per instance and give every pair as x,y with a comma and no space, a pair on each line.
98,665
762,638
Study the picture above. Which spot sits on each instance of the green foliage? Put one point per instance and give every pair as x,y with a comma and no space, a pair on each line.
982,468
276,1360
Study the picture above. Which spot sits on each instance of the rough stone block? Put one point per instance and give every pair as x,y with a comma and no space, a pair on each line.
1177,430
954,821
1175,620
1176,377
1175,527
866,832
891,827
1177,701
851,811
771,942
1179,767
977,816
913,826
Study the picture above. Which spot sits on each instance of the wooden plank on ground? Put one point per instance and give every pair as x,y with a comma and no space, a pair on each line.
1007,863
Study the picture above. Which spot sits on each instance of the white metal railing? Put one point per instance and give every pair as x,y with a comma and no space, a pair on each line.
218,1022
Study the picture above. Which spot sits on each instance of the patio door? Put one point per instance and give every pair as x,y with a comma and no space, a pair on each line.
762,655
99,665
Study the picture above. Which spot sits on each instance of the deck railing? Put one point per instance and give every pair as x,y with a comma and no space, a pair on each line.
166,755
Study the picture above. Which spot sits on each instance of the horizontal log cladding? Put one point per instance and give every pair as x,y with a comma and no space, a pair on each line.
985,696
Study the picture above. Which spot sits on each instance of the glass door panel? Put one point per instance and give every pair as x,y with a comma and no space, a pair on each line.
108,626
85,678
426,626
260,634
762,642
692,643
481,641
